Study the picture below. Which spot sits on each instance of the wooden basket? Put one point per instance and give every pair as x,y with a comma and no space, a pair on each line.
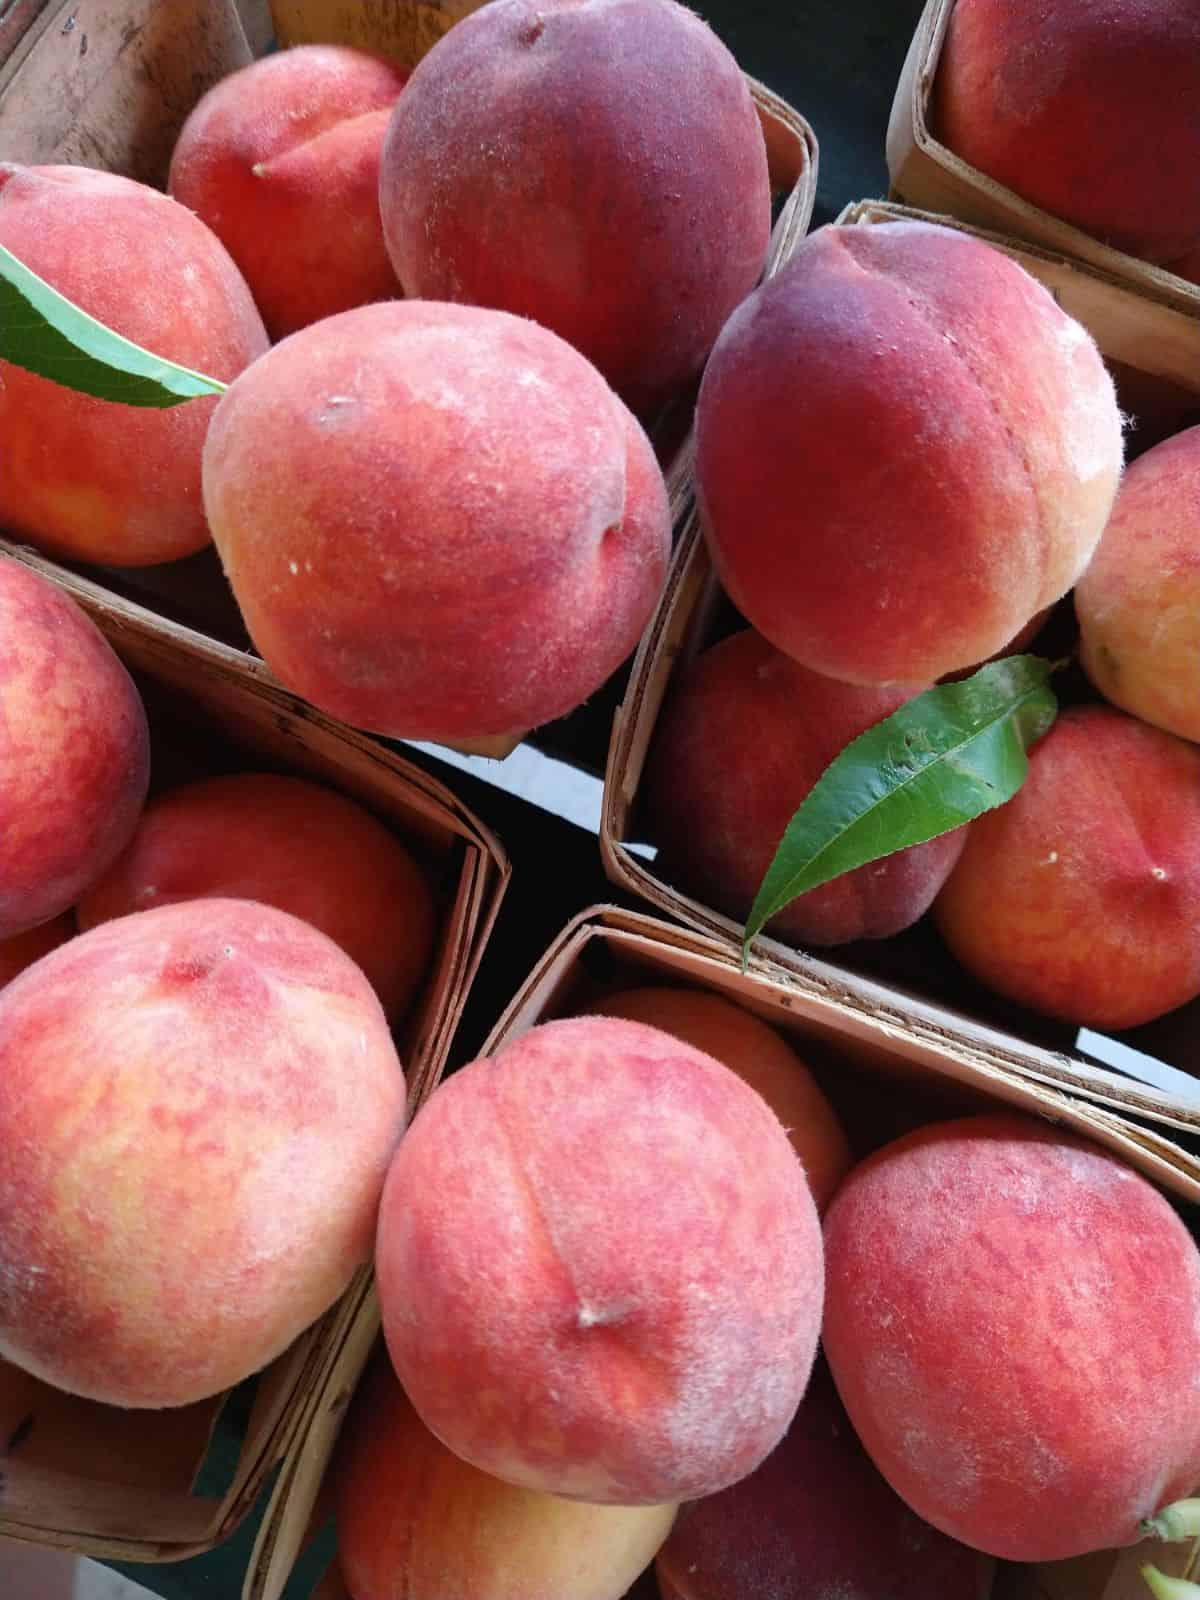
925,173
857,1054
121,103
404,32
120,1484
1161,344
109,84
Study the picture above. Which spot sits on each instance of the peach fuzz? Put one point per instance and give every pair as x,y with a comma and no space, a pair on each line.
23,949
438,521
1013,1324
622,1303
597,165
415,1520
281,160
74,751
904,450
743,738
1088,111
1137,602
815,1520
197,1108
86,479
291,844
760,1058
1080,897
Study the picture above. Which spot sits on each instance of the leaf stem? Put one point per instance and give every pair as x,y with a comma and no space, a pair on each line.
1164,1588
1178,1521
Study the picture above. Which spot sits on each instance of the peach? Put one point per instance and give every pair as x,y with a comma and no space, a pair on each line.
74,750
760,1058
414,1519
904,450
816,1519
597,165
83,478
291,844
1137,601
197,1108
1013,1324
23,949
281,160
1081,897
621,1304
744,737
1087,111
439,521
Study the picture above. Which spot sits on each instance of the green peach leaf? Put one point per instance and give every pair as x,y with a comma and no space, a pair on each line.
942,759
1180,1520
44,332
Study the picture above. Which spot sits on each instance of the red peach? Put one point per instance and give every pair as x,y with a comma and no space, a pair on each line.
1089,111
744,737
597,165
197,1109
904,450
83,478
1081,896
281,160
1137,601
291,844
439,521
622,1304
74,750
1013,1323
760,1058
23,949
816,1519
415,1520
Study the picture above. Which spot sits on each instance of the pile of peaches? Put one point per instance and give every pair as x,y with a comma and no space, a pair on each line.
199,1091
600,1260
906,454
603,1274
433,499
441,516
600,1254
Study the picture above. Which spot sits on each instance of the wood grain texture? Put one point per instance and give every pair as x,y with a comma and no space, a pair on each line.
110,84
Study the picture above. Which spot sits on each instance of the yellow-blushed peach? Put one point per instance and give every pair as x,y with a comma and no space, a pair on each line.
197,1109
